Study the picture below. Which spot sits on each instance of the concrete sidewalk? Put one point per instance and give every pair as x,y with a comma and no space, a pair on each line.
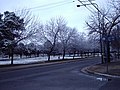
110,70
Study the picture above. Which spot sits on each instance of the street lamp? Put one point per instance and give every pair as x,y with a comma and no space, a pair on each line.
83,5
99,12
78,5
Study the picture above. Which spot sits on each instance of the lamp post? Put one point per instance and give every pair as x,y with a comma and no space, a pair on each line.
106,42
97,8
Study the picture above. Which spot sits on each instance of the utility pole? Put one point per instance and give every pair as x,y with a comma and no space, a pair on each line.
107,51
85,4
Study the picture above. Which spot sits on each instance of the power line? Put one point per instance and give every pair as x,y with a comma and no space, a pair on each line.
48,6
53,6
85,5
93,4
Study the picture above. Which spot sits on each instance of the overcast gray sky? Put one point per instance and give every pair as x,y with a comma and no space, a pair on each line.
46,9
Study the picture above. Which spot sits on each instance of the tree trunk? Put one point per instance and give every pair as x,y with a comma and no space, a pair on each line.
101,49
118,53
12,55
74,55
107,51
20,55
63,54
81,54
48,57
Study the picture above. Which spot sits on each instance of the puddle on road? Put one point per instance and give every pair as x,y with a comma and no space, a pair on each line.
91,76
103,79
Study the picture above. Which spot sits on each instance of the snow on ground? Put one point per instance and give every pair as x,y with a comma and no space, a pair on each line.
5,61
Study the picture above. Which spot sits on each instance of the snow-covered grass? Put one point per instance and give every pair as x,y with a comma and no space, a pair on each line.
17,60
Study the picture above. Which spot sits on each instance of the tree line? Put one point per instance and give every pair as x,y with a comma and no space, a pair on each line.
22,34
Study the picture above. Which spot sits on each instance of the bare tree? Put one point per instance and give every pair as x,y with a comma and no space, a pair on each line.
51,30
103,23
31,24
64,36
115,43
76,43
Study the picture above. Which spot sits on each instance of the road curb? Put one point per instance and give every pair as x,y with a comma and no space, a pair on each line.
4,69
43,63
87,70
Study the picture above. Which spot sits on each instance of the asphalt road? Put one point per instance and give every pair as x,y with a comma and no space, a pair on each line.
114,84
64,76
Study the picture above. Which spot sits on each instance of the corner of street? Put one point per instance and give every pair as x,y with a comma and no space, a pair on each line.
101,69
62,75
